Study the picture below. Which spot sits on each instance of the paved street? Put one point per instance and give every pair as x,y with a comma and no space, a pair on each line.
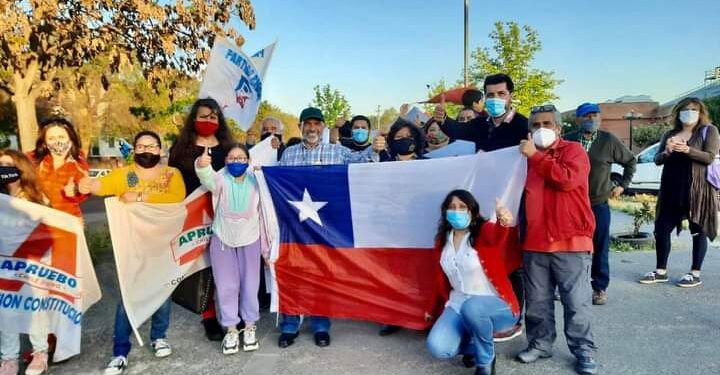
660,329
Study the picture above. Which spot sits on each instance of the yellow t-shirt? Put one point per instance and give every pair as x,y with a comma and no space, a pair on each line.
168,187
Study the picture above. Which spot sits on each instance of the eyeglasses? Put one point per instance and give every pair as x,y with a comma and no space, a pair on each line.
543,108
236,160
143,148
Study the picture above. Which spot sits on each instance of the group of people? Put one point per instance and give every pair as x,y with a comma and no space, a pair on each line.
488,290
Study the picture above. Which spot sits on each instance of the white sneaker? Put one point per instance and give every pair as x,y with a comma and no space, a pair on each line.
231,343
116,366
250,342
162,348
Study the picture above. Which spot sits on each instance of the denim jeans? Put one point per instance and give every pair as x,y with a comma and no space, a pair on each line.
291,324
123,330
601,242
479,317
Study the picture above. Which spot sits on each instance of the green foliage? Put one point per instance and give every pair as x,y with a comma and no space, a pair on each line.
646,135
643,215
332,103
713,105
98,240
387,117
514,48
437,88
623,247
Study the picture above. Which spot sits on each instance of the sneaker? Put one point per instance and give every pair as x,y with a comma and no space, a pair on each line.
162,348
38,365
508,335
9,367
599,297
231,343
250,342
116,366
586,366
653,277
689,281
531,355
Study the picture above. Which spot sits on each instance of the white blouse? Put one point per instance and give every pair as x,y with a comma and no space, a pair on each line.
465,272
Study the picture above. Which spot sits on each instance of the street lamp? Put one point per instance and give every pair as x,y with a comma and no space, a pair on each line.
630,116
467,15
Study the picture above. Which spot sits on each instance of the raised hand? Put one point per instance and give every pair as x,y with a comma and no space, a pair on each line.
204,160
70,188
504,216
527,146
379,143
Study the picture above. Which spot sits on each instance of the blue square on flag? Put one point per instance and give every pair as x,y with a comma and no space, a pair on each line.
313,203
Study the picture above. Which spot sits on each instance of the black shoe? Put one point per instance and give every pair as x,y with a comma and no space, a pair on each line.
388,330
486,370
468,360
322,339
213,331
287,339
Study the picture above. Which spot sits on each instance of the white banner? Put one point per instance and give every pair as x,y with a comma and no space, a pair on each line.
47,280
233,80
156,246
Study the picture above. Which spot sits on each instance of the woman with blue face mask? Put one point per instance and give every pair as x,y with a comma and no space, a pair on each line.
472,276
236,245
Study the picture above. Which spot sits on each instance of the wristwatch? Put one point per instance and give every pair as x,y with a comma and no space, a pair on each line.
139,198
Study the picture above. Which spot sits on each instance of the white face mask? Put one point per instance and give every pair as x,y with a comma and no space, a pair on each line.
543,138
689,116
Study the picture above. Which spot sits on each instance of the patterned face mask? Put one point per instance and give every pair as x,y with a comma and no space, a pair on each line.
59,148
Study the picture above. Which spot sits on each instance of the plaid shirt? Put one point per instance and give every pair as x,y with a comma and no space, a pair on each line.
587,143
323,154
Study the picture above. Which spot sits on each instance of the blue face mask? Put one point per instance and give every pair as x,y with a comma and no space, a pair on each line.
590,126
360,135
495,106
236,169
458,219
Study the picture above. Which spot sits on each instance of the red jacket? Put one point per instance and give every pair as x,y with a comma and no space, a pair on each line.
557,204
53,182
499,252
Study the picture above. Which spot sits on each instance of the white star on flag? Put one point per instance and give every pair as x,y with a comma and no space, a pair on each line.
307,209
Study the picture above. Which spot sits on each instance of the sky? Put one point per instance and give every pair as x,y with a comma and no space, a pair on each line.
384,52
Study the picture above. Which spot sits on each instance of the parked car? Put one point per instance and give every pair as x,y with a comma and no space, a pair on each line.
647,175
95,173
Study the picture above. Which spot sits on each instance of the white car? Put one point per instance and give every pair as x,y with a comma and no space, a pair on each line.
95,173
647,175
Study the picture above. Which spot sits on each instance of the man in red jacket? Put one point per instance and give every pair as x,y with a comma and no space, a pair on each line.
558,243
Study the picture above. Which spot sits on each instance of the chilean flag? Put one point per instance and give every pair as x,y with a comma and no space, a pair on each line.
355,241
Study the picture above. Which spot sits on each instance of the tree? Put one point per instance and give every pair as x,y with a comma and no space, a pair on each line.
646,135
289,120
40,37
713,105
331,102
513,52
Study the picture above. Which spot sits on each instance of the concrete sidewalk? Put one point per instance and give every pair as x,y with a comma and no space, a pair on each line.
658,329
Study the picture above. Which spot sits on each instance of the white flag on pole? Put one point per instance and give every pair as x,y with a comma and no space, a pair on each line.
234,81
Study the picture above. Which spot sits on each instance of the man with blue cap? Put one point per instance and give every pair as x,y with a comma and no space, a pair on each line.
603,149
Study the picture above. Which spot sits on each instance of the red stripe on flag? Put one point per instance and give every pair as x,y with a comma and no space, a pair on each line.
390,286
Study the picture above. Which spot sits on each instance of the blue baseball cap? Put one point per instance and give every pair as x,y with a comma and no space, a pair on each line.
585,108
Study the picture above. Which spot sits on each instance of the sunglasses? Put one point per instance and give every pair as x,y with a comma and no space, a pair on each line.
543,108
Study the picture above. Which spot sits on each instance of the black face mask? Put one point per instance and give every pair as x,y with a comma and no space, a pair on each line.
265,135
9,175
404,146
147,159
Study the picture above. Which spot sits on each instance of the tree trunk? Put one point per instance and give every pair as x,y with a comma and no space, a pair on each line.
27,120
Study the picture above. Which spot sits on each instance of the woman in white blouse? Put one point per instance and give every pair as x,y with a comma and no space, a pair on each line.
472,278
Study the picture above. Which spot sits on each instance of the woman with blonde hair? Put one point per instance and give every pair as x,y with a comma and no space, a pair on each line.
688,149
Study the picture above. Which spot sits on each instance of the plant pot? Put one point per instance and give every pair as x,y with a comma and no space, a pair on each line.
640,239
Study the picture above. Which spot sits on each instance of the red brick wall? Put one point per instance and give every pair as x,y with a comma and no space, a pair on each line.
614,121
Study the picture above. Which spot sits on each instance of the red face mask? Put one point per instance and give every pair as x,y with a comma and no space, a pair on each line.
205,128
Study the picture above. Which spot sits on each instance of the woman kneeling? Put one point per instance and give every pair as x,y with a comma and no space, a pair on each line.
473,268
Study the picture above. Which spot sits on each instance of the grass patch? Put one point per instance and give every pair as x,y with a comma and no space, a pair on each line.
624,247
98,241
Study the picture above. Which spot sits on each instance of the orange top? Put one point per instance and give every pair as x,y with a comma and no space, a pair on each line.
53,182
575,243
